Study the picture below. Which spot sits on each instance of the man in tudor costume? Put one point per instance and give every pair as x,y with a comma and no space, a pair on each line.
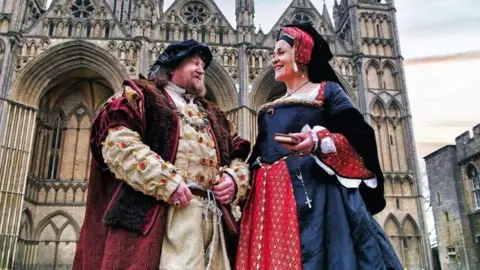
164,172
311,203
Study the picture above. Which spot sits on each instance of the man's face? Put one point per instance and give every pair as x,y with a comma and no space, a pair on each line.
189,75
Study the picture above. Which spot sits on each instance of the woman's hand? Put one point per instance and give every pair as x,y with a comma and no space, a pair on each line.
306,143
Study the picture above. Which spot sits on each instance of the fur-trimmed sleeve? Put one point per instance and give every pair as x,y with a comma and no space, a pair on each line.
116,142
122,109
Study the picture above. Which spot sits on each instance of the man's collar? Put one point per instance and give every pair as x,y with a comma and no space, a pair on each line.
175,88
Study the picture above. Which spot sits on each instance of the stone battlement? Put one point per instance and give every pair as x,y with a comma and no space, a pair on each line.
468,144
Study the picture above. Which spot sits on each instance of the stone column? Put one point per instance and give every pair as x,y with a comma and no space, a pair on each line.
243,90
16,137
411,138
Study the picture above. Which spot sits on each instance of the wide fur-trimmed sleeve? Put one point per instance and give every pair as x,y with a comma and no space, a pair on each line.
125,108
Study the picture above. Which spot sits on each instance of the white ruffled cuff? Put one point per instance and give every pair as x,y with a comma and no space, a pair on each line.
326,144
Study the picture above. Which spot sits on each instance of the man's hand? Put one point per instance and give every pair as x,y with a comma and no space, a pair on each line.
224,190
181,196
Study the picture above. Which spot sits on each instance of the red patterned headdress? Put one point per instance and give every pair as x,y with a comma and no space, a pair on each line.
302,45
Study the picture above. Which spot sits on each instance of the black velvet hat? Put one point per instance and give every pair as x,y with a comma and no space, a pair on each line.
176,52
319,68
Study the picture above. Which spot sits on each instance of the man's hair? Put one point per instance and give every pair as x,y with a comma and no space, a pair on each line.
160,75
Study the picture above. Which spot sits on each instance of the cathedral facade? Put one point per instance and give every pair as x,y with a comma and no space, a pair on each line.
59,64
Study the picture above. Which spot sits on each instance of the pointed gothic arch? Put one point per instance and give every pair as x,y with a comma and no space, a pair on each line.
30,84
392,225
412,244
389,78
48,220
378,105
219,82
392,229
25,247
394,104
397,137
373,74
409,226
57,233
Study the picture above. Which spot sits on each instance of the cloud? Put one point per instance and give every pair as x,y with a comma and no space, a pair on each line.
463,56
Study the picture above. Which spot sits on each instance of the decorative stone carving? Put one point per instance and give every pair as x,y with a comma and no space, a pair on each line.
82,8
301,17
195,13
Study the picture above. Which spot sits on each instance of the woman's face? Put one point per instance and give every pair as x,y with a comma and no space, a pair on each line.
282,61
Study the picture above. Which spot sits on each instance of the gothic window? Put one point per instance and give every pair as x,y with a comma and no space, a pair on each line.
107,31
301,17
167,34
204,34
472,174
58,234
89,30
379,33
69,29
51,29
122,6
82,8
129,11
220,37
195,13
185,34
57,130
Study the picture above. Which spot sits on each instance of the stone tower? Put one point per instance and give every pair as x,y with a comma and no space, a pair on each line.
371,27
59,64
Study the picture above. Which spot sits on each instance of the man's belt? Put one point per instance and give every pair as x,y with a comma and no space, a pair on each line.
229,220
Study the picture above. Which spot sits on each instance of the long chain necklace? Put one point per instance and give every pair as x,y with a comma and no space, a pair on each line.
298,173
187,119
289,94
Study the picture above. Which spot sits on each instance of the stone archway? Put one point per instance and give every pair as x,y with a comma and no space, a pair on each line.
220,87
32,81
266,88
18,122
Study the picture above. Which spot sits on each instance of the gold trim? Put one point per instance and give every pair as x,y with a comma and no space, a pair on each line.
281,101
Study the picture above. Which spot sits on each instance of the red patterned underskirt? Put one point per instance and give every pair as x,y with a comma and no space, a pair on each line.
269,236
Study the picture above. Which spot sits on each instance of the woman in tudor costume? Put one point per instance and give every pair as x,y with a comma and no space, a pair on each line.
311,204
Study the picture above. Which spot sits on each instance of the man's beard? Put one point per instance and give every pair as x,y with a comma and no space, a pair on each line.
198,91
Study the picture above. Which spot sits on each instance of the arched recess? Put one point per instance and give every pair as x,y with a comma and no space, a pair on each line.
25,247
373,77
396,132
389,78
393,231
380,126
220,85
78,93
2,53
411,243
267,88
57,235
31,83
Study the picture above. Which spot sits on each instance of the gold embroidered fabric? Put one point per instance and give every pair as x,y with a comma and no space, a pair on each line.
197,154
133,162
193,241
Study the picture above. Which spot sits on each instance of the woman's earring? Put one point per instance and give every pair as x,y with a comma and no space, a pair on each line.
303,72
